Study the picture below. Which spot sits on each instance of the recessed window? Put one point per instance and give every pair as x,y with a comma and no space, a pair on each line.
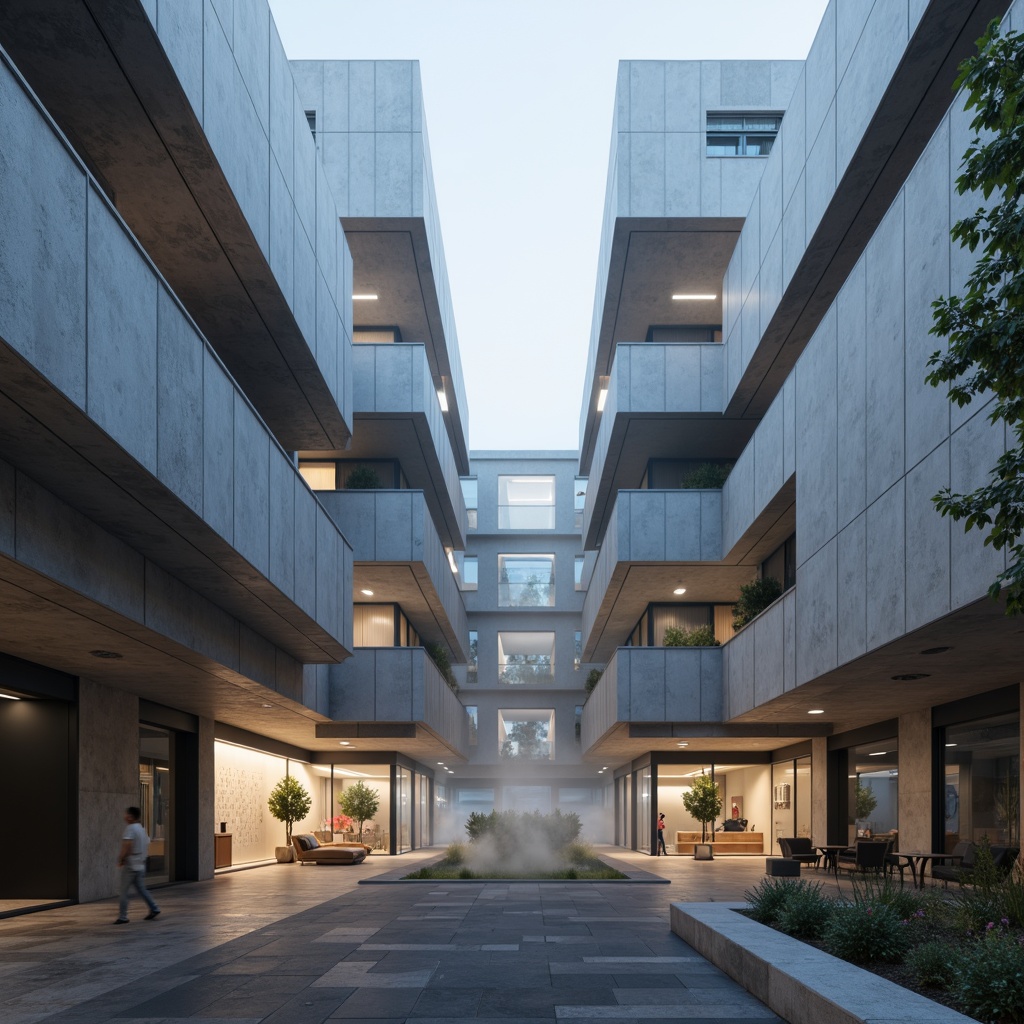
469,496
321,476
578,571
382,625
376,335
526,657
472,722
526,502
526,581
311,121
472,667
579,500
742,134
470,572
526,734
577,653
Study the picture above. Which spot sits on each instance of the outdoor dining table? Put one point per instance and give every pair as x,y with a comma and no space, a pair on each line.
918,861
831,852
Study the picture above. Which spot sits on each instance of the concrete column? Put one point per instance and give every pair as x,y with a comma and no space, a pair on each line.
915,800
108,782
819,789
206,809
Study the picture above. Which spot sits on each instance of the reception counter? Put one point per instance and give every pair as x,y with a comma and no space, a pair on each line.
723,842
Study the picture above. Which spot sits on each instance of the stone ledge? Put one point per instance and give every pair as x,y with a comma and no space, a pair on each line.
798,982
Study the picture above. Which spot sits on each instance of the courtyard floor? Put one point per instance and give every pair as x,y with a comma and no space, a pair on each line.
285,944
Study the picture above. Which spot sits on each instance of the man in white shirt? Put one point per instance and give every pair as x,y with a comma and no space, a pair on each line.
132,862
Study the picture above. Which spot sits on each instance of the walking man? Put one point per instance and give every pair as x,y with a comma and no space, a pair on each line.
132,862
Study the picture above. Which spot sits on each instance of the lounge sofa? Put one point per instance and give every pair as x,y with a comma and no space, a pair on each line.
309,851
1003,857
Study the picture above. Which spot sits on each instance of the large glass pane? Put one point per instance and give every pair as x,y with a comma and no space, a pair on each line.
526,581
526,657
527,798
526,502
470,572
473,665
643,810
373,625
680,616
403,783
155,799
759,145
873,796
803,798
321,476
526,734
724,145
376,830
982,770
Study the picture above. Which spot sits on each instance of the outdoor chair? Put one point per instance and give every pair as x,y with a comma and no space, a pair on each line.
1003,858
868,856
799,848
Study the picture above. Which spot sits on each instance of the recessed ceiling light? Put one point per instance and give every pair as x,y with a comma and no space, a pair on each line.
365,297
950,744
443,399
697,297
878,753
907,677
440,762
453,565
344,743
816,711
9,696
936,650
679,590
368,593
266,705
602,397
682,744
106,654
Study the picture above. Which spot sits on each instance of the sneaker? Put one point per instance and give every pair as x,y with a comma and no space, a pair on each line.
152,915
121,920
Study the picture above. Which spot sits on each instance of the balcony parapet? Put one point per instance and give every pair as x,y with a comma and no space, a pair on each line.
394,693
759,662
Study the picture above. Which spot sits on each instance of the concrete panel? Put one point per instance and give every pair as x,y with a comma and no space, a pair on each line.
304,285
683,110
680,379
853,593
926,265
820,173
42,245
816,415
224,10
305,548
8,505
256,657
789,640
682,174
785,76
218,447
712,378
711,695
750,324
794,130
711,84
647,175
769,638
647,96
647,685
282,233
304,183
974,450
393,96
886,562
326,334
928,540
179,403
820,72
335,96
915,790
768,469
647,378
789,427
361,102
749,245
328,238
851,451
850,18
710,526
121,318
746,82
647,526
682,682
328,593
352,687
179,25
739,184
710,186
252,452
884,434
738,667
251,48
361,170
770,195
392,524
816,613
794,232
770,284
393,175
282,121
738,500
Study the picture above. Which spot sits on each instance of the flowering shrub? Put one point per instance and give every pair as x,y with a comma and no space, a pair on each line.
861,933
933,963
768,898
341,823
990,976
806,912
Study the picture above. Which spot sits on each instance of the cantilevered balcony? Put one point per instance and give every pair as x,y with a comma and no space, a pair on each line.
383,696
399,556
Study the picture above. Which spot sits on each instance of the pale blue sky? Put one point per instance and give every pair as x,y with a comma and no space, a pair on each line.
518,100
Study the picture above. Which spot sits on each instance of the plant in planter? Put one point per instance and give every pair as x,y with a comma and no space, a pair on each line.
865,800
289,802
704,802
707,476
593,678
363,478
360,803
754,598
439,656
699,636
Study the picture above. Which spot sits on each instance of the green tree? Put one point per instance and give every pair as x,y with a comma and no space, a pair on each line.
289,802
984,357
865,801
360,803
527,741
702,800
754,598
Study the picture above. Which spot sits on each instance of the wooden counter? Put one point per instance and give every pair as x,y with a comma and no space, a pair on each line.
222,849
723,843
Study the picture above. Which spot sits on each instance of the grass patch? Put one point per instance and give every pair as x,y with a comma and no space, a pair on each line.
589,869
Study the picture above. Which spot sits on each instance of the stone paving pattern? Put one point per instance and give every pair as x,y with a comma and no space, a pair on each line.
290,945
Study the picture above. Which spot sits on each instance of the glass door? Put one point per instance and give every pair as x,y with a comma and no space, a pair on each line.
156,801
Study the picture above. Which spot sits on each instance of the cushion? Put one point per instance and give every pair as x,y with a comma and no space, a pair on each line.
313,844
306,843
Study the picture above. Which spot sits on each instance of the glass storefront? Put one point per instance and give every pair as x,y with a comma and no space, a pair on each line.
403,819
643,809
155,789
873,790
982,781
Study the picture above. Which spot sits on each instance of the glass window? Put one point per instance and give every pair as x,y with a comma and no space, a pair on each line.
526,657
403,785
982,780
321,476
742,134
526,502
577,651
578,721
364,335
470,572
680,616
526,581
643,810
526,734
874,790
373,625
579,500
469,493
578,571
472,723
472,673
311,121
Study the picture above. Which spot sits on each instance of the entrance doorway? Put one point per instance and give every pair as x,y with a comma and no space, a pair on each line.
156,800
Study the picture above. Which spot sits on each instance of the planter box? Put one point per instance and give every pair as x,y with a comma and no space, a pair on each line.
798,982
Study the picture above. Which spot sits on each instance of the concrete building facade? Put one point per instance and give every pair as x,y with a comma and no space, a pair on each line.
243,534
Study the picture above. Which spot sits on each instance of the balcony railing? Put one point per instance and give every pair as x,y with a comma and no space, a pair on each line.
537,669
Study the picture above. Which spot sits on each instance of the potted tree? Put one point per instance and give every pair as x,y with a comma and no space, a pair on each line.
705,804
360,803
289,802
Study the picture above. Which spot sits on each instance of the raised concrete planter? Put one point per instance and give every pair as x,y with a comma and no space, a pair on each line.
798,982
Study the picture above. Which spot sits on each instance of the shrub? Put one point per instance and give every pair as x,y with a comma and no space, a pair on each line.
593,678
700,636
754,598
883,890
439,656
862,934
768,898
478,824
706,476
807,911
933,963
982,894
455,854
578,852
363,478
990,978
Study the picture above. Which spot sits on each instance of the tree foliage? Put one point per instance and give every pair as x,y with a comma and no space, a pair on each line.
755,596
699,636
360,803
984,327
865,800
526,741
703,801
289,802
